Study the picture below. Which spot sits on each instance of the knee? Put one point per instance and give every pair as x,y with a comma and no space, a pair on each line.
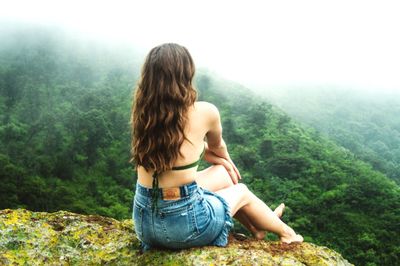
243,189
225,175
243,192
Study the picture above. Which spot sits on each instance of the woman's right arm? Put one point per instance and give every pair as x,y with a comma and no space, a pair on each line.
216,143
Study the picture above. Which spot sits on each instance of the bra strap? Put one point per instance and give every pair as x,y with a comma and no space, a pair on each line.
192,164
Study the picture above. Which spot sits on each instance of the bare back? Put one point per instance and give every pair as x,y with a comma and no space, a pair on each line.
200,122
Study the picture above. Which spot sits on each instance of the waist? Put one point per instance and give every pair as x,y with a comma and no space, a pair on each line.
168,178
166,194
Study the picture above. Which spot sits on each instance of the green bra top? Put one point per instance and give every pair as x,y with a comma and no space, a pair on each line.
155,191
192,164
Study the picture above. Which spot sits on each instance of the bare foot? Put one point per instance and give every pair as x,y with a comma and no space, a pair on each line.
294,239
289,236
279,210
259,235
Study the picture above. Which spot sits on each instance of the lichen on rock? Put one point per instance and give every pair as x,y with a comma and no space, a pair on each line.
65,238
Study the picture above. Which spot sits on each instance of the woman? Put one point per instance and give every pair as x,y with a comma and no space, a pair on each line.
175,206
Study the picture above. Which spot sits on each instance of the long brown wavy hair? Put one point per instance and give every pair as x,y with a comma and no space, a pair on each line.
159,107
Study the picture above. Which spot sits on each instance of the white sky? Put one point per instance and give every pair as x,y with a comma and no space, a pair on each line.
261,43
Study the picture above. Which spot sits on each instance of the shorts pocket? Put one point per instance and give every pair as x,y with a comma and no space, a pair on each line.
202,214
138,220
179,224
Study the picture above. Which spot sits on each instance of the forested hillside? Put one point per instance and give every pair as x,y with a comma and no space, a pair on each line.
365,122
64,132
64,123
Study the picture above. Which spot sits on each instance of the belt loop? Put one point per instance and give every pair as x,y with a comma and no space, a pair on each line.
185,191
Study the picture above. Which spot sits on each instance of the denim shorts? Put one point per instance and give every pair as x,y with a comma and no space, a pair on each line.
199,218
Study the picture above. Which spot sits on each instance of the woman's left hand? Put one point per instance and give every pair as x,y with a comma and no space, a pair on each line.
230,167
235,169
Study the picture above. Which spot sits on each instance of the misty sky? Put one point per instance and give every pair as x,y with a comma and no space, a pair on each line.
259,43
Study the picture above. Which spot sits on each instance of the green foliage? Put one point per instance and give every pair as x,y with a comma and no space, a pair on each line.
366,123
65,137
64,133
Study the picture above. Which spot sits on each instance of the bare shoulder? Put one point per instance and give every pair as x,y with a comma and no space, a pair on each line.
207,108
210,115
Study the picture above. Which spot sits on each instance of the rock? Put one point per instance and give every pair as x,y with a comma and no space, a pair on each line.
65,238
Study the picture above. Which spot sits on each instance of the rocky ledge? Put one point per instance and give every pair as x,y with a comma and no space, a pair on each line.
65,238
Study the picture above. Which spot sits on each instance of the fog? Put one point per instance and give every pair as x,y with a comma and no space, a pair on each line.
261,44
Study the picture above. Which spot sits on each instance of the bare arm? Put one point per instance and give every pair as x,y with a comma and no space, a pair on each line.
220,149
217,146
212,158
214,135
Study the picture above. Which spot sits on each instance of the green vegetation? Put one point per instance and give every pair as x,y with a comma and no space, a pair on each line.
365,122
64,145
64,128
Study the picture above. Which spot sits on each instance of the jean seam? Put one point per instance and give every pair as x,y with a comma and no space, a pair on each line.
194,222
139,222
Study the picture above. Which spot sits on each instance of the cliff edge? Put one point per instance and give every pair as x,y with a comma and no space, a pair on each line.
65,238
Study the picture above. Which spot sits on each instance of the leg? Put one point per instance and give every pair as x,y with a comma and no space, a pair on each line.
215,178
260,215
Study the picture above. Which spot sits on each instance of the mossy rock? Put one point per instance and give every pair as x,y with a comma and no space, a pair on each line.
65,238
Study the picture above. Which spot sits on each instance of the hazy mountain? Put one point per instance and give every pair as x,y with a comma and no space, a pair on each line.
367,122
64,144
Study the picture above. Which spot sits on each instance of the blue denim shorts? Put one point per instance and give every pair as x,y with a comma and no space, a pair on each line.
199,218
